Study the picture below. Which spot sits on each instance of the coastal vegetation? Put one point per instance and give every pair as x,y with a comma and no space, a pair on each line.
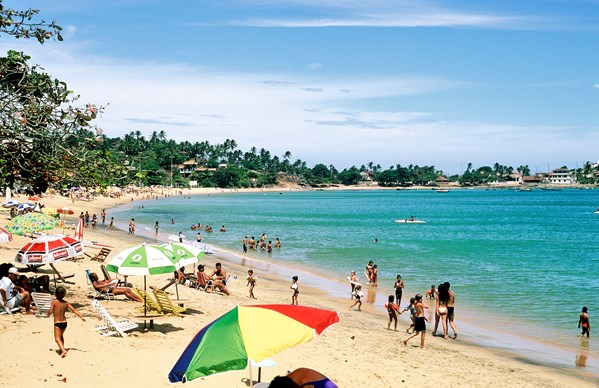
49,141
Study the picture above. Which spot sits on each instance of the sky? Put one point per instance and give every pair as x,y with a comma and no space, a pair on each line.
342,82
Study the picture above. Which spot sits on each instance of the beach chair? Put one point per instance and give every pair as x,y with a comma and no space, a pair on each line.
151,305
100,256
61,277
166,304
42,303
88,278
121,283
203,283
12,310
111,326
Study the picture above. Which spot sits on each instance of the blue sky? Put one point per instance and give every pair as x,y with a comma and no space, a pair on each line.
341,82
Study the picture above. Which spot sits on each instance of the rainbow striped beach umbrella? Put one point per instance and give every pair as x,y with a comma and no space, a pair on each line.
256,332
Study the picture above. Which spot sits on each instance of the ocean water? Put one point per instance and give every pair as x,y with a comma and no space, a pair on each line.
522,264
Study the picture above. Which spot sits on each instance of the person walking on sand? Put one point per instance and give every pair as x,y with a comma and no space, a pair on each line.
441,310
585,322
295,288
451,310
181,236
58,307
412,309
392,311
251,282
358,295
111,225
103,215
156,227
398,289
420,324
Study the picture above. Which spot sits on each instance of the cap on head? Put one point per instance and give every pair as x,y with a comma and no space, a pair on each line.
13,270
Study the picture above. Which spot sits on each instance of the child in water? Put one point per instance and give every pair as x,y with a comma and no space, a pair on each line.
295,288
58,307
585,322
251,283
392,310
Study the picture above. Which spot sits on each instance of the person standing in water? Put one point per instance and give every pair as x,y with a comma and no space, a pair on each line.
585,322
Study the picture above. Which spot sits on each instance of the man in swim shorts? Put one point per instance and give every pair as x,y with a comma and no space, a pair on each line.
451,310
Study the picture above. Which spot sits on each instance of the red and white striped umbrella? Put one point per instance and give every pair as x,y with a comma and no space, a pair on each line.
65,210
5,236
48,249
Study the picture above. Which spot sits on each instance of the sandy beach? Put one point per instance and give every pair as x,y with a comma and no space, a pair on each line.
358,351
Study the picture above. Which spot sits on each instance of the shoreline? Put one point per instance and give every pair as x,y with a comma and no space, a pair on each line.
359,337
486,334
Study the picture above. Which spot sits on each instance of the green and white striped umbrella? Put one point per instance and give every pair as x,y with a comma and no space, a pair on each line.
143,260
183,254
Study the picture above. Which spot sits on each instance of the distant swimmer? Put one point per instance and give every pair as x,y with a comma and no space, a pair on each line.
411,219
222,229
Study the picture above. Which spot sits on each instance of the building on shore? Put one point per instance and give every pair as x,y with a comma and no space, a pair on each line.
560,176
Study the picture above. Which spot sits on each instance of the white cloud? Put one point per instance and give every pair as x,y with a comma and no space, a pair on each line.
334,122
387,13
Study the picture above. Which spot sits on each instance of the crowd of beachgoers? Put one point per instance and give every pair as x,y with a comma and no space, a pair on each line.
374,339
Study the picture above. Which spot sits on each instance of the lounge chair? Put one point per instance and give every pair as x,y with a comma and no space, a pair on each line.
100,256
60,276
108,294
42,302
112,327
166,305
203,283
151,305
121,283
12,310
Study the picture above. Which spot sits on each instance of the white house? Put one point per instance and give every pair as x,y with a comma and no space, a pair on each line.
560,176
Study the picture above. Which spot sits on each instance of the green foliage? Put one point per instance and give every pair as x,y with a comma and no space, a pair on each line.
44,137
23,24
350,176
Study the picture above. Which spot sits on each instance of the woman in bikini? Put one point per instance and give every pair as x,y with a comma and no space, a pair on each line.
110,286
441,309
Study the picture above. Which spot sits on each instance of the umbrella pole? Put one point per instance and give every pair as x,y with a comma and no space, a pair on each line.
145,299
251,379
177,290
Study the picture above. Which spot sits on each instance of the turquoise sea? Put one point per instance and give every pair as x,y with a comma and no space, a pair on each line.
522,264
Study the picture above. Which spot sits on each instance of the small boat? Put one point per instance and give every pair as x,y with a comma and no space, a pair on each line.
410,221
442,191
